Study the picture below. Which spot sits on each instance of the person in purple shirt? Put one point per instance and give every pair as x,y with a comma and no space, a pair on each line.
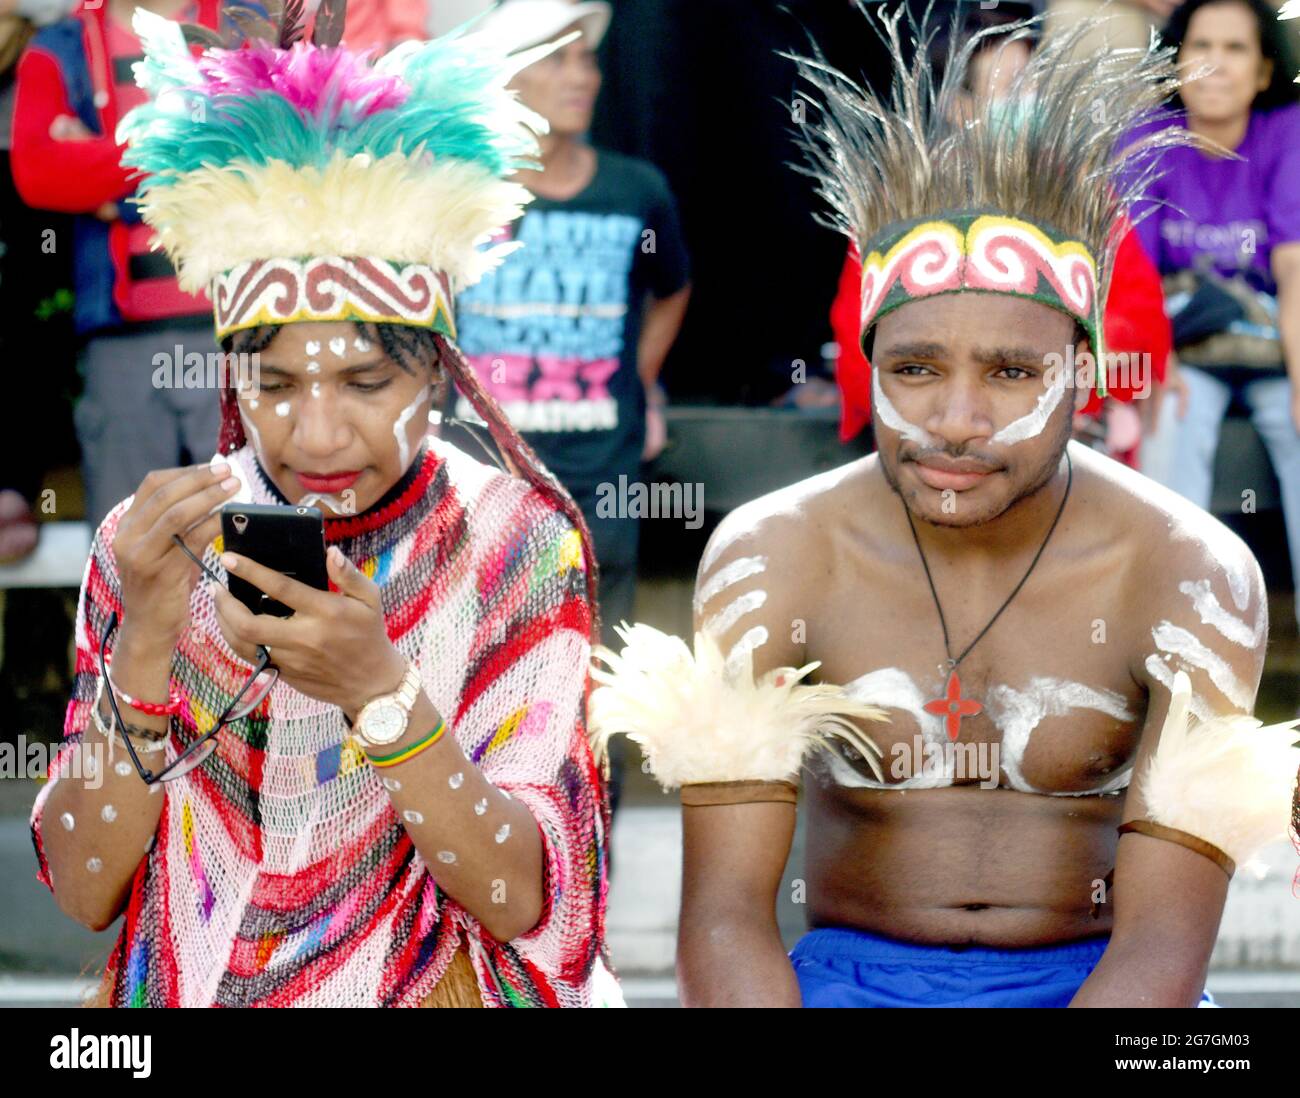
1225,233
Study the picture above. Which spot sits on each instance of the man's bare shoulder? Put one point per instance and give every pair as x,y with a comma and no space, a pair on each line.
1172,537
789,522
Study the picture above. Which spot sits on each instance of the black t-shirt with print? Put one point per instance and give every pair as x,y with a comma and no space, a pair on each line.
553,331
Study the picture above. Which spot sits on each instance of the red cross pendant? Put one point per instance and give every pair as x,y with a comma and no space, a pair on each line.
952,706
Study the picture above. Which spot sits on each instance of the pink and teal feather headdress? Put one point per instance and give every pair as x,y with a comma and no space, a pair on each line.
299,180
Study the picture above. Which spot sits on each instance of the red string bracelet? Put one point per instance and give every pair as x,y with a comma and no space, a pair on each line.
150,709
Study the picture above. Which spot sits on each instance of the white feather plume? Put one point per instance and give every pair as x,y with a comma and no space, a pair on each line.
697,724
1227,780
398,208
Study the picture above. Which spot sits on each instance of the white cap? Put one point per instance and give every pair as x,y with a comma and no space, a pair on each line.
518,24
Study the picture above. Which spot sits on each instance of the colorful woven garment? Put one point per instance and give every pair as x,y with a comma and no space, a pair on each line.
280,873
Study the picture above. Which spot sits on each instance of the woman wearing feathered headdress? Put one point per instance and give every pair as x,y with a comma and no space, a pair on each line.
410,815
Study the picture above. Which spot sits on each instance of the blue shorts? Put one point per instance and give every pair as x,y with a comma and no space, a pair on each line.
852,968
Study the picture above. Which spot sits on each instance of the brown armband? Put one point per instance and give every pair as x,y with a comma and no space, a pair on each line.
700,794
1182,838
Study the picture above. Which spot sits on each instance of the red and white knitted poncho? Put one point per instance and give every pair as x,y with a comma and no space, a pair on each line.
280,873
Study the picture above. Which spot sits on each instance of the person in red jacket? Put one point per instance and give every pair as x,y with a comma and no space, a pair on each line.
139,331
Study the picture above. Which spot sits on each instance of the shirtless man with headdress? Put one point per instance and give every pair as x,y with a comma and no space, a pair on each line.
1009,804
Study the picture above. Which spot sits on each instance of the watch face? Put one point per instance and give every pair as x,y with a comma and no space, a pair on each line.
384,723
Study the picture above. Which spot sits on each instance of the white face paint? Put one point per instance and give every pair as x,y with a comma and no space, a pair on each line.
67,821
446,857
282,409
891,417
720,623
456,780
362,344
739,569
480,807
312,347
313,367
1193,654
399,428
94,865
1207,606
250,429
1032,423
123,768
391,784
108,813
339,346
412,816
503,833
315,389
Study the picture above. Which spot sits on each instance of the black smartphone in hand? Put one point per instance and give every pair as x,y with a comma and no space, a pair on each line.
286,538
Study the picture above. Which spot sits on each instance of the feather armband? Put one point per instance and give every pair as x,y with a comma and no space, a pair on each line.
1227,781
697,724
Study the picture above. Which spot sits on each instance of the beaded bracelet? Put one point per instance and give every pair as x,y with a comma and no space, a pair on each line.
150,709
155,744
410,752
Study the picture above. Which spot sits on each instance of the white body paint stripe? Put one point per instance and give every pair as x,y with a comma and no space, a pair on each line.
752,639
739,569
1212,613
1187,647
721,622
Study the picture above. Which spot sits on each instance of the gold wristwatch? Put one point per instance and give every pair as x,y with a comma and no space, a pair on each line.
382,720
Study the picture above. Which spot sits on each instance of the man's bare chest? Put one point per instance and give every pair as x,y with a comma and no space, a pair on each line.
1043,702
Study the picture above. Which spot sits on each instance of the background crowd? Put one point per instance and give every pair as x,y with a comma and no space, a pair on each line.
672,256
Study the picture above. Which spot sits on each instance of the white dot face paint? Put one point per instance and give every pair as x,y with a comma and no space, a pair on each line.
362,344
456,780
503,833
282,409
339,346
108,813
480,807
391,784
312,347
67,821
893,419
315,389
122,769
313,367
1032,423
412,816
446,857
94,865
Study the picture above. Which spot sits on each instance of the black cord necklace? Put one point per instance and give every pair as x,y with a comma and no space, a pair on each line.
952,705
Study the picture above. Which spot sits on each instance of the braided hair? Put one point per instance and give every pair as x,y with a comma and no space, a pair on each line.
413,348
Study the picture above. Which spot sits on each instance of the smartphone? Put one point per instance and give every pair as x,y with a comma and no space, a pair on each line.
287,538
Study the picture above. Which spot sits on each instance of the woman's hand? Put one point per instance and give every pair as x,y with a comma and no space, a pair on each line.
157,578
334,648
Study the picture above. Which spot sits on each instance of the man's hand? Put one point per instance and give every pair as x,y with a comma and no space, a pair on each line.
335,647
